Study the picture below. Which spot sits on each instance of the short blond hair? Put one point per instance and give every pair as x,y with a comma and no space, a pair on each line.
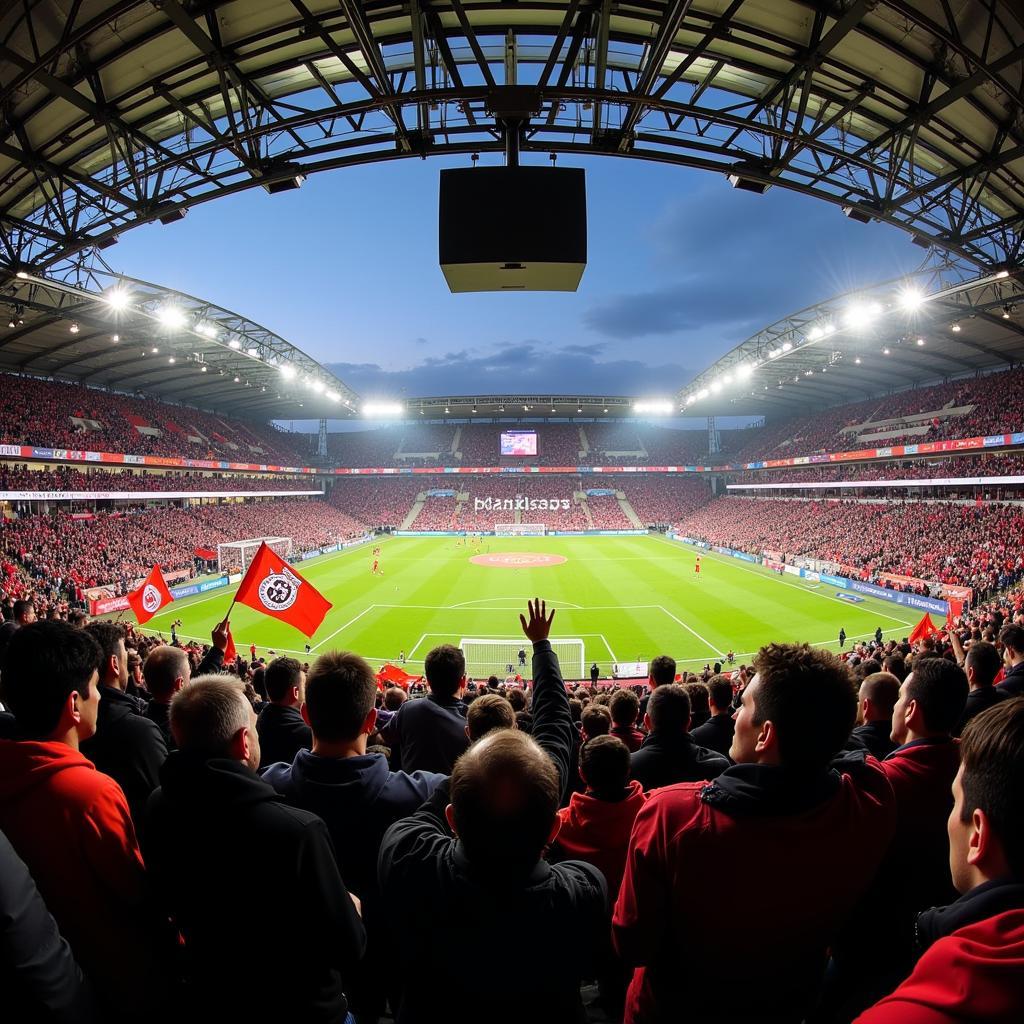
208,714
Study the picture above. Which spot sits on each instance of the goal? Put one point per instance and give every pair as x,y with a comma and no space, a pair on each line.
493,656
235,555
520,529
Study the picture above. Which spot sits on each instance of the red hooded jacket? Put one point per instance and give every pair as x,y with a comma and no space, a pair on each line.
71,826
597,831
791,856
974,975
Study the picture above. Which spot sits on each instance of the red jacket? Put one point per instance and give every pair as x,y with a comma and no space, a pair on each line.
597,831
71,826
709,880
974,975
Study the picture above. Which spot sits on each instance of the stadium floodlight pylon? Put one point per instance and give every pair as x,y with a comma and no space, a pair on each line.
520,529
235,555
485,657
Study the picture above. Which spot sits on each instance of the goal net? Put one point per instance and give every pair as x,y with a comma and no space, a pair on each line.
520,529
494,656
235,555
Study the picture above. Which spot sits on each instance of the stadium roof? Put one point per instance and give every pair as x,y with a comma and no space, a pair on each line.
110,331
895,335
115,113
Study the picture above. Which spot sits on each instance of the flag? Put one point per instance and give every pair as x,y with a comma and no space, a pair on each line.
924,629
273,587
392,675
956,609
150,597
230,654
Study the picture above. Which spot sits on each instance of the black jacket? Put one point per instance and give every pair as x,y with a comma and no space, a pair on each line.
128,748
160,714
282,734
442,904
979,700
666,760
715,734
252,885
39,978
427,734
1013,682
874,737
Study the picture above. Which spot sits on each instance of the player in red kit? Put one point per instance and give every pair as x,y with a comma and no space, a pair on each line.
696,568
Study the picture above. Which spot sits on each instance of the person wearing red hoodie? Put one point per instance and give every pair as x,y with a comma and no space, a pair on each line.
596,825
875,950
68,822
799,834
972,964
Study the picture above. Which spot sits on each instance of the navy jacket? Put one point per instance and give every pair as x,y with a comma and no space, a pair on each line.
874,737
1013,682
358,799
282,734
427,734
666,760
979,700
440,903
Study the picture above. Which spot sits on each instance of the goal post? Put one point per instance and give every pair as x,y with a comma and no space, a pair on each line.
235,555
486,657
520,529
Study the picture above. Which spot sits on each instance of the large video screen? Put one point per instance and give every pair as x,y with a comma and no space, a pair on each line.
519,442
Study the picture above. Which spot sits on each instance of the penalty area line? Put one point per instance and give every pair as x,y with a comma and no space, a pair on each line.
689,629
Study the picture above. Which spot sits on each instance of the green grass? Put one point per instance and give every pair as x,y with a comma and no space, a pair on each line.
628,598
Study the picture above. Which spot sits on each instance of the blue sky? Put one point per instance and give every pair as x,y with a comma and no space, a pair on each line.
681,268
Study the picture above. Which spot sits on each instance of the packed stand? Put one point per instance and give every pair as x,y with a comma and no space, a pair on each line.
661,500
531,489
584,827
379,502
64,554
44,414
977,546
606,513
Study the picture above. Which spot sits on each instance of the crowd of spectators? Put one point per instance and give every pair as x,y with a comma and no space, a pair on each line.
660,500
606,513
63,554
379,502
44,414
16,477
994,406
824,803
967,545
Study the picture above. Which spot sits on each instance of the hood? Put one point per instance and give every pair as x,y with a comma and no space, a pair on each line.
983,901
767,790
27,764
585,810
353,781
202,783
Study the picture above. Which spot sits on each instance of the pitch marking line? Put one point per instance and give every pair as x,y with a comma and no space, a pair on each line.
484,600
608,647
416,645
689,629
725,560
356,618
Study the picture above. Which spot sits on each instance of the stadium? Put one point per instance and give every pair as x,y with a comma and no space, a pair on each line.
560,652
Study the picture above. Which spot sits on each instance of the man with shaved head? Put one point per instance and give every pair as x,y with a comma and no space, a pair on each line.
166,671
468,865
877,697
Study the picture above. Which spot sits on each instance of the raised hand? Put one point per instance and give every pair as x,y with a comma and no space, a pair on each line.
539,625
220,635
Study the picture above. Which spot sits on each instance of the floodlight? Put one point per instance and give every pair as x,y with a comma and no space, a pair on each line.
287,371
234,343
814,333
786,346
885,351
657,407
117,298
861,314
703,393
171,316
920,341
254,352
955,326
171,360
381,410
74,328
744,370
22,275
237,381
857,360
115,338
716,386
155,350
319,386
910,299
999,273
727,379
202,369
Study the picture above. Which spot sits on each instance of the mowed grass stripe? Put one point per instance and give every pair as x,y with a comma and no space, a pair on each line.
630,591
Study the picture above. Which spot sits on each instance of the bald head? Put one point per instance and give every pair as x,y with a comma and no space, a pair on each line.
878,695
504,792
166,671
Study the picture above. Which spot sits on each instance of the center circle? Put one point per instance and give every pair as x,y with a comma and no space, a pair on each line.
518,560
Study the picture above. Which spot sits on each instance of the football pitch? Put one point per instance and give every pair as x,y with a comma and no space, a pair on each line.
627,598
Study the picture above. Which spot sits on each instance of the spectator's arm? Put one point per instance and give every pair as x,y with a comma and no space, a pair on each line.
640,916
32,949
212,663
552,720
414,843
958,649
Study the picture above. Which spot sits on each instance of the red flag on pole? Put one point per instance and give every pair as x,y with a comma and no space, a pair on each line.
924,629
273,587
150,597
956,609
